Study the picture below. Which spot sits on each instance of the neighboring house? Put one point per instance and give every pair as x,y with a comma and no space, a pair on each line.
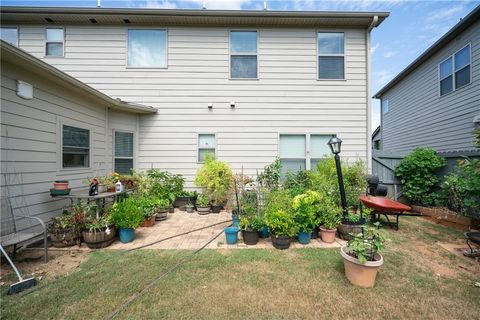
435,101
377,139
247,86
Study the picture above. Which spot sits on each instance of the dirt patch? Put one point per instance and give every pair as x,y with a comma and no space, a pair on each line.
431,258
31,264
447,224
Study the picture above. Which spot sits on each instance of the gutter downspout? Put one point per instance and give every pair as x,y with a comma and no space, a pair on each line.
369,103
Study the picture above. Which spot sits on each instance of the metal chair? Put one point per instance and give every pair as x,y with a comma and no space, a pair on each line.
11,236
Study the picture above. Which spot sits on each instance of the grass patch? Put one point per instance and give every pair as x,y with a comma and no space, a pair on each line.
262,284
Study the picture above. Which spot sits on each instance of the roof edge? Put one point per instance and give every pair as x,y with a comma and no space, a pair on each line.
118,104
463,24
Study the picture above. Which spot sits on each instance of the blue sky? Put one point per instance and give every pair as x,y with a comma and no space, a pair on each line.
411,28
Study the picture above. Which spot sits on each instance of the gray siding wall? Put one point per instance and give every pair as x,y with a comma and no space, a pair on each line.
31,146
286,98
418,116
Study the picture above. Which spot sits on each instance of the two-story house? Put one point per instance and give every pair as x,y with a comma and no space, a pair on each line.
247,86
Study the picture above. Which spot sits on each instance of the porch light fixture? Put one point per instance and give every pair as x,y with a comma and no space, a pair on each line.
335,145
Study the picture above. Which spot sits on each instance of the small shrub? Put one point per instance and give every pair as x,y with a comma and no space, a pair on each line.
281,223
203,200
297,182
417,173
216,177
251,223
365,245
270,177
306,207
126,214
278,200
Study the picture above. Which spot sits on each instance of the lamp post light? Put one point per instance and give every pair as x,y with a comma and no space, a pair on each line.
335,145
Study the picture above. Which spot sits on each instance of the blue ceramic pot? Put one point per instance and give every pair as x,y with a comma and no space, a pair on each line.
264,233
231,233
126,235
304,237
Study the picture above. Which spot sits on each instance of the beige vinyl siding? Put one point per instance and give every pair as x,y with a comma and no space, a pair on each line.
419,116
286,98
31,146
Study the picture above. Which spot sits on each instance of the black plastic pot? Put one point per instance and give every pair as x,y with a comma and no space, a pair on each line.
171,210
315,232
181,202
282,242
216,209
250,237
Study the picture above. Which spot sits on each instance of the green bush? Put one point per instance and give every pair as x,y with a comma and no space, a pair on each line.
278,200
297,182
461,188
417,173
203,200
325,180
281,223
161,184
306,206
126,214
216,177
270,177
146,205
330,214
251,223
365,245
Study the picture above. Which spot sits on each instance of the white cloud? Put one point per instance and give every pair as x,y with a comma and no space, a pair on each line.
390,54
221,4
159,4
382,77
350,5
374,48
446,13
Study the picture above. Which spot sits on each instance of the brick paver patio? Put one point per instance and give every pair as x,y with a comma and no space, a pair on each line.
180,222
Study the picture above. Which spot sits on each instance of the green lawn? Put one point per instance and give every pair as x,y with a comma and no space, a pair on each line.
419,280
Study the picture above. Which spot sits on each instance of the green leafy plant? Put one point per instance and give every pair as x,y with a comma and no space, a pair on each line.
270,177
278,200
126,214
417,173
330,214
94,224
146,205
297,182
216,177
185,193
160,204
281,223
251,223
203,200
306,206
461,188
365,245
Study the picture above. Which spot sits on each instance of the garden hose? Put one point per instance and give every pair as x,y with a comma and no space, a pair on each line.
132,249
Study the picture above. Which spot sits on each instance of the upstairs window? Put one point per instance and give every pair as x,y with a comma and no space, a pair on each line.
75,147
123,152
147,48
55,39
455,71
206,144
9,35
243,55
385,106
331,55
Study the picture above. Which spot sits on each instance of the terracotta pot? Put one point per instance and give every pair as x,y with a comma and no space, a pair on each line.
203,209
149,222
111,189
250,237
99,239
282,242
60,185
327,235
361,274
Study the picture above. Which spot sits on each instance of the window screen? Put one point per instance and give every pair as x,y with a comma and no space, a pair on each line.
76,147
123,152
206,144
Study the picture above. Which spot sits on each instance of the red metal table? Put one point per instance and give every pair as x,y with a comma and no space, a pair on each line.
387,207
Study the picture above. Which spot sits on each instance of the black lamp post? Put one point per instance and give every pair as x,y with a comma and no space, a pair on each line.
335,145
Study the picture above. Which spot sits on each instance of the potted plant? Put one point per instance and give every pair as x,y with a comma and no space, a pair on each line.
60,185
146,204
161,208
282,227
305,208
350,225
184,197
216,177
62,230
98,232
203,204
330,216
126,216
250,226
189,207
361,256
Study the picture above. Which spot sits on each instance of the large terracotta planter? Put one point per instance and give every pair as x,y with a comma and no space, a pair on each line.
149,222
60,185
327,235
361,274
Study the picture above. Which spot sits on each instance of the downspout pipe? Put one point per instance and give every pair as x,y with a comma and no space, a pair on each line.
369,103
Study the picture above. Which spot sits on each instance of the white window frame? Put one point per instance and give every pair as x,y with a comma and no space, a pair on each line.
46,41
76,124
452,56
308,146
113,148
18,33
382,106
331,55
230,53
198,145
148,67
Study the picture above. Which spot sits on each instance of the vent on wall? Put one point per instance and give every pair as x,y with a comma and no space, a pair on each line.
49,20
126,20
93,20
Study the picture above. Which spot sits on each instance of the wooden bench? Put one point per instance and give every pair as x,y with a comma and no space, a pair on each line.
10,236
